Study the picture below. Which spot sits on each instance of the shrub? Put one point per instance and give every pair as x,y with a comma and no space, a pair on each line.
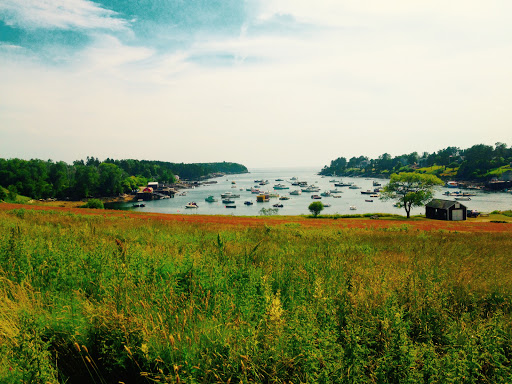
315,208
93,203
3,195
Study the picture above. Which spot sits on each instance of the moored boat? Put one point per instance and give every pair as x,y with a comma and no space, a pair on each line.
192,204
230,195
210,199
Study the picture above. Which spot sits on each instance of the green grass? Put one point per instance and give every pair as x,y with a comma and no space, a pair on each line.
108,299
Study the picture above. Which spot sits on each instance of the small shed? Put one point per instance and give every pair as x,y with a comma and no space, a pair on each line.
440,209
153,184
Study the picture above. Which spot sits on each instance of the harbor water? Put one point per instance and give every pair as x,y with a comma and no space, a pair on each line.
298,205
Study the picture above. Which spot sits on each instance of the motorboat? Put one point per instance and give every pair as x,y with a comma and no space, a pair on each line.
463,198
367,192
335,191
369,201
227,201
230,195
281,186
231,206
353,208
248,203
310,189
278,205
325,194
192,205
296,192
336,197
139,205
284,198
210,199
353,186
316,197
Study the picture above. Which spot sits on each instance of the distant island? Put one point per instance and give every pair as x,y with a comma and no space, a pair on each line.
39,179
479,164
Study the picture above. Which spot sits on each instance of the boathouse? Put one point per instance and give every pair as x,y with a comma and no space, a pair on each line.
440,209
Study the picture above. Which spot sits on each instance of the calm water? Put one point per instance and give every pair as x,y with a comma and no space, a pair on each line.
298,205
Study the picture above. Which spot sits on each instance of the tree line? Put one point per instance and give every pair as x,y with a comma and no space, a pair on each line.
41,179
474,163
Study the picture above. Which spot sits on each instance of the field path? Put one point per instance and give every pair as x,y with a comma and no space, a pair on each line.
246,221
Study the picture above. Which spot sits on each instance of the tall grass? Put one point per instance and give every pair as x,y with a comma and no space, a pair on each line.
103,299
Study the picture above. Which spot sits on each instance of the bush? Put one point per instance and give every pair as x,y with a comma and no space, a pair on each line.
315,208
93,203
3,195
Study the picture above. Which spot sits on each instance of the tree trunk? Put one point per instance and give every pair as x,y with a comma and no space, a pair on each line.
408,210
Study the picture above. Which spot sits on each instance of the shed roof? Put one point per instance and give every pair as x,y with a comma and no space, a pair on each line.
442,204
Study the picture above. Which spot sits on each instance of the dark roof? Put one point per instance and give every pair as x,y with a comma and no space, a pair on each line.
442,204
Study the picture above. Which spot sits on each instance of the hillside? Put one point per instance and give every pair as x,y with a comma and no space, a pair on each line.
478,163
99,296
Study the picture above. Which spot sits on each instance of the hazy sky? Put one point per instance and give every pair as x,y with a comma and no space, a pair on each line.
263,83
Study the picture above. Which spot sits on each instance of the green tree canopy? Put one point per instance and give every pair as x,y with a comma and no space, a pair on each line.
315,208
410,189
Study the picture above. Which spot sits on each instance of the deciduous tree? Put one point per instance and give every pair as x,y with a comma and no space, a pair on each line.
315,208
410,189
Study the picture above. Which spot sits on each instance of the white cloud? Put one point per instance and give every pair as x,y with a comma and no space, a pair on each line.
389,86
59,14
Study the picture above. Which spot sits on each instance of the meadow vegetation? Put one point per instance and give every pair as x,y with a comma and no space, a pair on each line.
103,299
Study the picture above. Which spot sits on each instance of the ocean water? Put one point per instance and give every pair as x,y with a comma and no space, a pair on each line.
298,205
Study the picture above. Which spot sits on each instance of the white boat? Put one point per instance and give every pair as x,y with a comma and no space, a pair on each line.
335,191
451,184
281,186
353,208
229,195
192,205
326,194
296,192
310,188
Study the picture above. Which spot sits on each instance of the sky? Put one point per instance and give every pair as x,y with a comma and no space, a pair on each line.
265,83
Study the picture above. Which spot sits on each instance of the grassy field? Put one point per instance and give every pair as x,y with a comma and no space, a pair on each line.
108,298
